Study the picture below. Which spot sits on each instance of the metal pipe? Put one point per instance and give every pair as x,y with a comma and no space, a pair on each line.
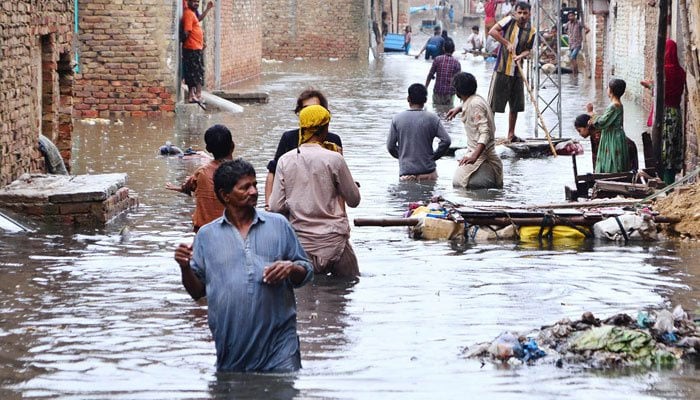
76,14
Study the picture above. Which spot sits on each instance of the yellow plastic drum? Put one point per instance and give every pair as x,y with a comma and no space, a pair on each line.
531,233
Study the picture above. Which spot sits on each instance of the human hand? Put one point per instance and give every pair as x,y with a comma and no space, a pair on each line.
470,159
589,108
453,113
277,272
210,5
183,255
511,48
170,186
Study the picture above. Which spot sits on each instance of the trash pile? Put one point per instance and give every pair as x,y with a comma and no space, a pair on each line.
661,338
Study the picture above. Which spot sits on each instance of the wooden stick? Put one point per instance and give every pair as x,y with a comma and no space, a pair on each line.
537,108
503,221
386,221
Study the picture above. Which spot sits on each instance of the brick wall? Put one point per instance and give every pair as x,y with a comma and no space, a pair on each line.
129,53
35,83
240,33
127,58
314,29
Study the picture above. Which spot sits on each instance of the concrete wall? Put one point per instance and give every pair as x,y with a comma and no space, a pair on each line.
36,83
629,51
315,29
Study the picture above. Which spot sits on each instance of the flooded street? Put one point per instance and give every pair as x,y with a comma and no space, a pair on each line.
99,314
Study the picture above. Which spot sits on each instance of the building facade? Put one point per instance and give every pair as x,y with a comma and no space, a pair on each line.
316,29
128,53
36,83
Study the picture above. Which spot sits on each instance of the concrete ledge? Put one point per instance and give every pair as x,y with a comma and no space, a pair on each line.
243,97
78,199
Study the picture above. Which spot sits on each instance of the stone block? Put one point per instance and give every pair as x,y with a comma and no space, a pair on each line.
81,199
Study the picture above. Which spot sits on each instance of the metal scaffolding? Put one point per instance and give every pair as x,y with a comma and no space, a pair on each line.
546,87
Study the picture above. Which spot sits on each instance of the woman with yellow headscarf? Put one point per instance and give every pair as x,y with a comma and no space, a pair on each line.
312,186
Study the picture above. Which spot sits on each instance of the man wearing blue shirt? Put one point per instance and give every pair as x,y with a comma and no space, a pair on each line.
247,263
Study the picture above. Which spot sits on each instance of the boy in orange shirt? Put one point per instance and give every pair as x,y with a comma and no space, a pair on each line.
192,47
207,206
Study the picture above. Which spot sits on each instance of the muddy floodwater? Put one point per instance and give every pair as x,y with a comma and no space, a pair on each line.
101,314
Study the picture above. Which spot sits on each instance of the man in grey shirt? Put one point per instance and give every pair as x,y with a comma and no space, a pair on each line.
411,138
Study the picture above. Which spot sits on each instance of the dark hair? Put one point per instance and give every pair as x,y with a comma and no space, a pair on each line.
581,121
437,29
523,5
617,87
229,173
444,34
417,94
475,27
308,94
219,141
464,84
449,46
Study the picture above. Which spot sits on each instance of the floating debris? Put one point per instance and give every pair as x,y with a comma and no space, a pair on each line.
660,338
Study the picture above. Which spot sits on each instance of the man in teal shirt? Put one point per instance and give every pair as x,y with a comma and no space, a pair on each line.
247,263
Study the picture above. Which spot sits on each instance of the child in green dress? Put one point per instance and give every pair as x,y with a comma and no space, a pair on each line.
612,150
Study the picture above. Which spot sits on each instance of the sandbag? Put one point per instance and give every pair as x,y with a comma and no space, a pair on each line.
634,227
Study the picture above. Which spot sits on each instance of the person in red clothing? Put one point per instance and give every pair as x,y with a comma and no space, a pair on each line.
490,13
672,146
207,207
192,47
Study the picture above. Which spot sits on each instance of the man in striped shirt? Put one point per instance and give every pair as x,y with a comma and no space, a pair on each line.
516,36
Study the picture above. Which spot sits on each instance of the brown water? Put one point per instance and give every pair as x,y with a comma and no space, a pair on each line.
92,314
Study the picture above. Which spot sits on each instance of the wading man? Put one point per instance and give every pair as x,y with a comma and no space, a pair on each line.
411,138
443,69
516,36
247,263
312,185
576,31
481,168
219,142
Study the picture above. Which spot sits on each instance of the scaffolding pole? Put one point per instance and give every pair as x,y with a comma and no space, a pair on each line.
547,86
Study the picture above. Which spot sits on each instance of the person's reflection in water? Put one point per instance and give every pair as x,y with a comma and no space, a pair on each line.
230,385
322,318
406,192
